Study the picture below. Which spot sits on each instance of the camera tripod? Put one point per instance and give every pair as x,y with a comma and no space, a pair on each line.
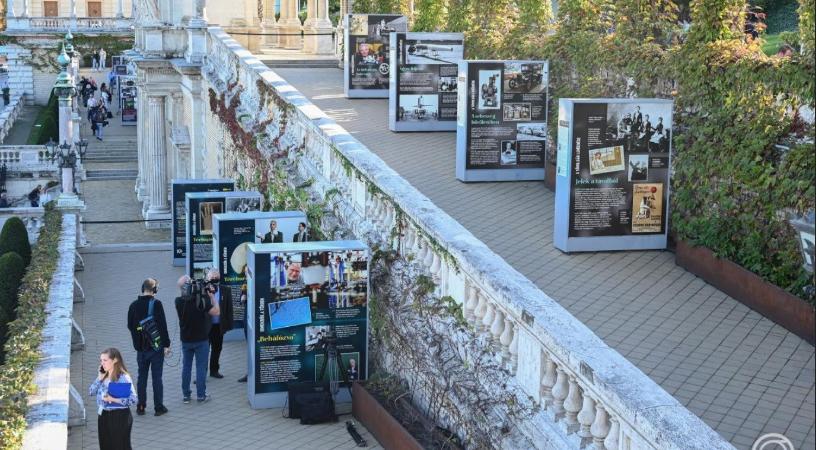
333,357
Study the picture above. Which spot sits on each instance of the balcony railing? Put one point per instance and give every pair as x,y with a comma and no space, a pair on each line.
61,24
25,158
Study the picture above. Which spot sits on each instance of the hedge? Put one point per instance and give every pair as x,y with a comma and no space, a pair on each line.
743,159
12,270
25,334
46,125
15,238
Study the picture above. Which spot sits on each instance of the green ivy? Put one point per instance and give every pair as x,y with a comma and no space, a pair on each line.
25,334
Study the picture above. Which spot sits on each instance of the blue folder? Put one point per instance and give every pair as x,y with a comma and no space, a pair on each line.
120,390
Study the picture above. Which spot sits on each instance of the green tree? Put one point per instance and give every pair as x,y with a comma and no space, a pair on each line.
15,238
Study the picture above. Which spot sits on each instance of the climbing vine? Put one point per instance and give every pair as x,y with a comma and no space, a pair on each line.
42,53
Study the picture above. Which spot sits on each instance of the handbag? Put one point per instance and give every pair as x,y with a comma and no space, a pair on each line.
109,114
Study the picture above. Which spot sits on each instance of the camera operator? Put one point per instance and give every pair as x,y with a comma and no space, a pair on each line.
221,296
195,309
147,356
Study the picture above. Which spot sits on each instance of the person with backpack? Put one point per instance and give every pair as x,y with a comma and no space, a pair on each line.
150,337
97,115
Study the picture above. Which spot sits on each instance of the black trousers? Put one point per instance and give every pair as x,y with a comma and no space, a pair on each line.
114,429
216,345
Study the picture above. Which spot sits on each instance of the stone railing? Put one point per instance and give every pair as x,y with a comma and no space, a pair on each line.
61,24
56,404
25,158
589,395
9,115
31,217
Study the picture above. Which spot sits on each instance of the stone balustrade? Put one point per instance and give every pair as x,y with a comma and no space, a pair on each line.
9,115
61,24
31,217
26,158
588,394
56,404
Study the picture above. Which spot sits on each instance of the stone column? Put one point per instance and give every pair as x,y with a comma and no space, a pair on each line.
318,29
73,12
119,14
65,126
156,152
291,25
198,19
143,125
25,8
268,25
9,8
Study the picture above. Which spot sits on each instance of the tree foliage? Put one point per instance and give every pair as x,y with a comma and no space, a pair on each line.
15,238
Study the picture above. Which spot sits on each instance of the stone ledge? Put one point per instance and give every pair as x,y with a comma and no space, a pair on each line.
48,415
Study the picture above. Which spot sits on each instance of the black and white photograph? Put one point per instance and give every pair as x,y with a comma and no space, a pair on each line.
524,77
509,156
489,89
514,112
207,210
640,129
383,26
315,335
447,84
531,132
242,204
429,52
606,160
637,167
417,107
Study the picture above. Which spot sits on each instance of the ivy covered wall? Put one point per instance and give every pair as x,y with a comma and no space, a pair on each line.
744,157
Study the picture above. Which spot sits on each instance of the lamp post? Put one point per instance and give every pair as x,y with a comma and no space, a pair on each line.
66,154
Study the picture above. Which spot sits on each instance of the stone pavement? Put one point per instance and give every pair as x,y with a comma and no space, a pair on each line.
22,127
111,281
738,371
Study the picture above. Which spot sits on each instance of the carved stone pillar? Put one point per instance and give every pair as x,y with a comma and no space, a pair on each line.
140,186
156,152
119,9
318,29
291,25
25,8
9,8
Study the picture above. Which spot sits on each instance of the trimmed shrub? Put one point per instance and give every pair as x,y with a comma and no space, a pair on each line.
15,238
46,125
11,274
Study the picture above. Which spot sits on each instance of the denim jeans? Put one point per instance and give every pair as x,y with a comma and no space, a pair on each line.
200,351
154,360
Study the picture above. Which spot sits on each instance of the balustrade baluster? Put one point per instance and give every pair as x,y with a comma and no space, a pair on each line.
513,349
560,390
480,311
611,442
471,304
586,416
572,406
600,427
497,329
489,316
548,380
435,268
506,339
428,256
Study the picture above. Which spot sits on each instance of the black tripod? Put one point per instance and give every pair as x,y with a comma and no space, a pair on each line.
333,357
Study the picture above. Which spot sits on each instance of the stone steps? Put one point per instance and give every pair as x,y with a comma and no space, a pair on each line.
112,174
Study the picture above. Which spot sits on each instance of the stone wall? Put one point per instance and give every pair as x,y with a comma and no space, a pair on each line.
573,390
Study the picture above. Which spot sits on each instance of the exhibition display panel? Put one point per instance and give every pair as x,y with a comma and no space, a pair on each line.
200,209
230,234
301,298
180,187
424,80
613,174
367,53
502,120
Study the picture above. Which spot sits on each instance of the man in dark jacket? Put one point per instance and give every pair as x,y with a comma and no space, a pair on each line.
148,357
195,311
222,296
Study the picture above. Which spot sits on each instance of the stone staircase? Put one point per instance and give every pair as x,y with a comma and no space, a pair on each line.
115,158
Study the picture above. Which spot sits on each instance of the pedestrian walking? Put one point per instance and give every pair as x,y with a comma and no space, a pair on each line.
150,338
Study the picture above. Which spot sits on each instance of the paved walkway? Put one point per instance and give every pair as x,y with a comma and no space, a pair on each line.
111,281
22,127
738,371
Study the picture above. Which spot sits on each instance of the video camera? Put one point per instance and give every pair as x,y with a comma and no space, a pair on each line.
198,290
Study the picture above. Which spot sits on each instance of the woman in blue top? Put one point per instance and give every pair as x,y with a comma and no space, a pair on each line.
114,419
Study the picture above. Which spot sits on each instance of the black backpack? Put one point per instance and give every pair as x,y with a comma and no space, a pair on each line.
149,331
